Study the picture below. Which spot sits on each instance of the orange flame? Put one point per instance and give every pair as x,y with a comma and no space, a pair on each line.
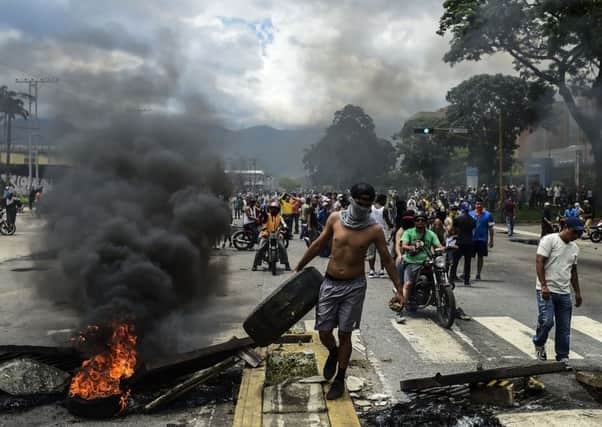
101,375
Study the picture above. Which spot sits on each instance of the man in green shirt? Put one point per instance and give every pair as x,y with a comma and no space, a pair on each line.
416,243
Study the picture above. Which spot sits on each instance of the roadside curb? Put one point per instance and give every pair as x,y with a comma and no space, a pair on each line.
249,406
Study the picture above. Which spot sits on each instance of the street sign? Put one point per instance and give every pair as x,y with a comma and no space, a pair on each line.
458,130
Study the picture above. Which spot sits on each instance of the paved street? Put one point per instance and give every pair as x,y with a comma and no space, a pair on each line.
502,306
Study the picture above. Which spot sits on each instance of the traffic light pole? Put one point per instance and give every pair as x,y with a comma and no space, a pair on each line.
500,150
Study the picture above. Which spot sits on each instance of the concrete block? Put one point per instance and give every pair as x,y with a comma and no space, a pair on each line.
21,377
292,396
297,420
495,392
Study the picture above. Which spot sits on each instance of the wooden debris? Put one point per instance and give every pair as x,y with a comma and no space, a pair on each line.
196,379
483,376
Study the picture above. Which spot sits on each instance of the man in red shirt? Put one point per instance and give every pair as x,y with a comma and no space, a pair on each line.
509,210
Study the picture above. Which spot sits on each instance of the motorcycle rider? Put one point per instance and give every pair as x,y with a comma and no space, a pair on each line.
416,242
272,224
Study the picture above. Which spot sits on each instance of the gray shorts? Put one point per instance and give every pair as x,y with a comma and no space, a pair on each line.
410,272
340,304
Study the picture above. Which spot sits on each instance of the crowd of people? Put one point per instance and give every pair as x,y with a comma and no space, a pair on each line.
401,231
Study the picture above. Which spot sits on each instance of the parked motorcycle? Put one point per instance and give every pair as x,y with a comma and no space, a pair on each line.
434,288
244,240
595,232
5,227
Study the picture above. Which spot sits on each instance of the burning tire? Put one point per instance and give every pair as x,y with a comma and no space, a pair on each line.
284,307
105,407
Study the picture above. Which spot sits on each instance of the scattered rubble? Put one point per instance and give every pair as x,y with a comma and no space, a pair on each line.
430,414
23,377
283,366
355,383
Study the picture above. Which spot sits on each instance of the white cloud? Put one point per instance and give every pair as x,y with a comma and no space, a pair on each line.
284,63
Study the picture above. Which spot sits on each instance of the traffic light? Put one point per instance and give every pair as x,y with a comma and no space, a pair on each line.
424,131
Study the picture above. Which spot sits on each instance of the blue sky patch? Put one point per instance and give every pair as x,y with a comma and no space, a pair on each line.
263,28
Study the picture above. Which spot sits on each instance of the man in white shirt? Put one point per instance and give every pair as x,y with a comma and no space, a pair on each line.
556,266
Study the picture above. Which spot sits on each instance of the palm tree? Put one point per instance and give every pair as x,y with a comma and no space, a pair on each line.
12,105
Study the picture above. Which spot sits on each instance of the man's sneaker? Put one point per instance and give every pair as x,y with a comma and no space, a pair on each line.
478,277
540,353
372,274
337,388
564,360
399,318
381,274
330,367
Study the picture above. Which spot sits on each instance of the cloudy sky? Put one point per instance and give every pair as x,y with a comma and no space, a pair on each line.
287,64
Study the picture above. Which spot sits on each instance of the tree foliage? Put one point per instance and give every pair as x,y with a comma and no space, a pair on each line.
11,105
289,184
349,152
556,41
477,103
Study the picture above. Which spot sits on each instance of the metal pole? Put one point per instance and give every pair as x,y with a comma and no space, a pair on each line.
29,142
500,150
37,124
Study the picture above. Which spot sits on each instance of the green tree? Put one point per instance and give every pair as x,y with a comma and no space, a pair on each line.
555,41
349,152
425,156
11,105
289,184
476,104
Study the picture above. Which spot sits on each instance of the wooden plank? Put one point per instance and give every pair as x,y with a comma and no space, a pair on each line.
249,405
196,379
483,376
341,411
162,370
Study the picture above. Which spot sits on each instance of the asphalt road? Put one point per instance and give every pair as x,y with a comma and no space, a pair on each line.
502,306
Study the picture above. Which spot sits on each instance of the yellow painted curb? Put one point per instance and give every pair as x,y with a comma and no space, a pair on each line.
249,404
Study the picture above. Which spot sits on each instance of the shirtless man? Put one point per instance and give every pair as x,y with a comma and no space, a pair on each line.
342,293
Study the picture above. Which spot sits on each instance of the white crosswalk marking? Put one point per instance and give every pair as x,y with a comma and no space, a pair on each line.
519,335
431,341
587,326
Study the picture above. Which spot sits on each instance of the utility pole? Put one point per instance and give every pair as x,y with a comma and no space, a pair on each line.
33,85
500,150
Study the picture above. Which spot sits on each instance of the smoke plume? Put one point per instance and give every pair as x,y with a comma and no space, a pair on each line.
134,220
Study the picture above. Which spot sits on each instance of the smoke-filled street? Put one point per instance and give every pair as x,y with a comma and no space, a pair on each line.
265,213
502,307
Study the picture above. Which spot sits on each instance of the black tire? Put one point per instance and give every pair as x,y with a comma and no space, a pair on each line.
242,240
446,310
7,229
273,267
284,307
596,236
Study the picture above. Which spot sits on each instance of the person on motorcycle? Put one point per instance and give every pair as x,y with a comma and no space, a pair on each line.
587,215
273,224
416,243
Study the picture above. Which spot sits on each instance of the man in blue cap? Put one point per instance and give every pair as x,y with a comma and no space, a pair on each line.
556,266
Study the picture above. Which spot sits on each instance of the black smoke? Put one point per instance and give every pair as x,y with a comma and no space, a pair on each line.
134,220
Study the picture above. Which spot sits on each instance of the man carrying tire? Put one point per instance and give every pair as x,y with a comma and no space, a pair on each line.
343,290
